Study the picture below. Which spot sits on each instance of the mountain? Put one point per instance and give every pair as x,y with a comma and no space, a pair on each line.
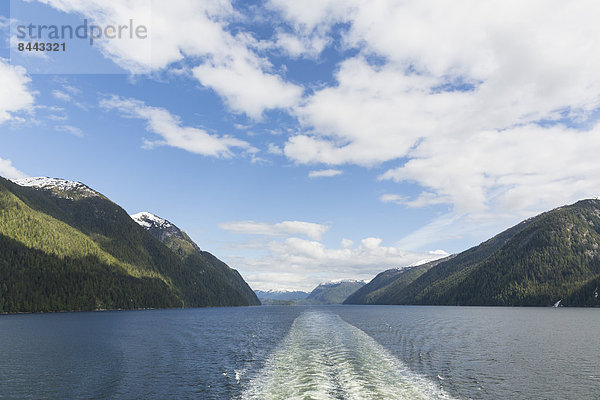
64,246
378,290
333,292
280,297
553,256
60,187
281,294
232,285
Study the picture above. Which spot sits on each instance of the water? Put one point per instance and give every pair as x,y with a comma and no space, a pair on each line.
336,352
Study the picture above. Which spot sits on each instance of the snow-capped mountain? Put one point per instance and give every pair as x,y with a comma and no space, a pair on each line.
88,253
204,263
336,282
71,190
159,227
281,294
149,220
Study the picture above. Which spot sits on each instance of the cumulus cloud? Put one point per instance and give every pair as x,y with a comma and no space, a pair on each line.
302,264
324,173
16,94
524,168
246,88
425,80
490,107
299,263
309,32
346,243
285,228
308,45
169,127
375,114
195,31
8,171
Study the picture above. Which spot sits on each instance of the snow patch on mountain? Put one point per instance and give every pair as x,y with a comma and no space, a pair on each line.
283,294
60,187
149,220
338,281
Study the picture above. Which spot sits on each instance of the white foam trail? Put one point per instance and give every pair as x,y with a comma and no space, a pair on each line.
324,357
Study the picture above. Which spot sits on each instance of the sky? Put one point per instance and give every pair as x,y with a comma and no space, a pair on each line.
303,142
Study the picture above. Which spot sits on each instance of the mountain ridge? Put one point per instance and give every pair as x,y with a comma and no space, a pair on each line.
286,295
334,292
71,190
98,255
552,256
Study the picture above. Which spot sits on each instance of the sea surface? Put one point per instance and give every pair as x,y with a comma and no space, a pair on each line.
279,352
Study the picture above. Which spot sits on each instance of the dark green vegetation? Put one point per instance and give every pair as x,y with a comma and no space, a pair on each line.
554,256
228,286
382,288
85,253
332,292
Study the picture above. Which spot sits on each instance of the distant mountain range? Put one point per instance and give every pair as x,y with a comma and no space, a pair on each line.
64,246
324,293
281,294
554,256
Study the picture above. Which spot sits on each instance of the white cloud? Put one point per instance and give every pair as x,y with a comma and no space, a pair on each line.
169,127
197,32
72,89
8,171
16,94
393,198
454,93
296,46
274,149
448,94
302,264
285,228
309,32
424,199
324,173
527,168
308,15
60,95
57,117
375,114
246,87
68,94
73,130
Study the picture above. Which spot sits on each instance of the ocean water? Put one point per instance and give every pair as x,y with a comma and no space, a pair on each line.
329,352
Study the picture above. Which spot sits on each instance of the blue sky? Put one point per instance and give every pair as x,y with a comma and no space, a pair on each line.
316,141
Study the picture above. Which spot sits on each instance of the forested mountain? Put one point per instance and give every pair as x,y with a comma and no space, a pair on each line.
551,257
333,292
232,287
64,246
387,283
